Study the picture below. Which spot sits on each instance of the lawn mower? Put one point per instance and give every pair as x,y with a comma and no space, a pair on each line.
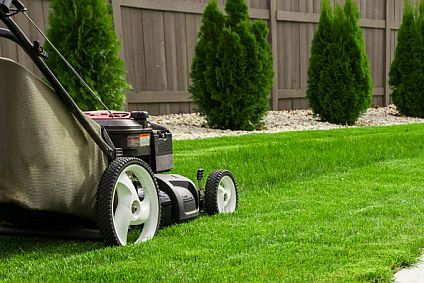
68,172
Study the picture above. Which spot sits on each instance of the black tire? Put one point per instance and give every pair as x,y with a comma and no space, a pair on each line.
214,200
122,177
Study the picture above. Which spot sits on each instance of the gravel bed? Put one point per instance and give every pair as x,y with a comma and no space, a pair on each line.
193,126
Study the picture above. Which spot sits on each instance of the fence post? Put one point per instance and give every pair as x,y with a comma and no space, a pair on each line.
386,101
274,41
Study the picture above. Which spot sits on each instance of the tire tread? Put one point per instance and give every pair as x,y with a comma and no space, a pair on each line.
211,190
104,197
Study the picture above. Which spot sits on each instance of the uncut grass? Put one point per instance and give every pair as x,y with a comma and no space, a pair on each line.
341,205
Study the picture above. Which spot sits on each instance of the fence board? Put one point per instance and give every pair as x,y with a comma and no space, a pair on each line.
170,49
274,49
45,7
155,49
181,43
130,65
191,22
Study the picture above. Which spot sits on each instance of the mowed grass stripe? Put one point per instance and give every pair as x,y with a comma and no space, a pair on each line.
324,206
261,160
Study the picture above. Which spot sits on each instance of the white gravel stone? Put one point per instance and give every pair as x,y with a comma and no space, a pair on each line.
194,126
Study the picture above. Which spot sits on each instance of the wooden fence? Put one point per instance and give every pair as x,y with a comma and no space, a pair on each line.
159,37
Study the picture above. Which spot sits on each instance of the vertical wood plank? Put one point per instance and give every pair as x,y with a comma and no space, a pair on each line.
185,107
375,54
279,4
317,6
46,9
164,108
311,31
192,107
154,108
170,51
274,47
295,48
265,4
304,103
191,23
253,3
286,104
281,68
297,103
303,46
387,54
137,57
154,50
117,23
174,108
303,54
181,50
363,8
127,37
286,50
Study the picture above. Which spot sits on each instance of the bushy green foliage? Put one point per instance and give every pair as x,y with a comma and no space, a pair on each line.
339,80
232,68
82,31
407,69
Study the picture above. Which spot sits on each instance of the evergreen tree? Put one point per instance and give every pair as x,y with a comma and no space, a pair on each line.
359,64
339,80
321,57
406,72
82,31
232,68
204,83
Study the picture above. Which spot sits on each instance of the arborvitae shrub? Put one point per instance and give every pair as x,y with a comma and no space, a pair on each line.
232,68
339,80
82,31
407,69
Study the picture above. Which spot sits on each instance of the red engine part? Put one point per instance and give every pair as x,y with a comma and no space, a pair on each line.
105,115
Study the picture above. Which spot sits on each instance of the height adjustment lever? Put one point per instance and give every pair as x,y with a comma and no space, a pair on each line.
39,50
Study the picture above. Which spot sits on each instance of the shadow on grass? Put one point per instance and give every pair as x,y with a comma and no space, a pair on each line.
13,246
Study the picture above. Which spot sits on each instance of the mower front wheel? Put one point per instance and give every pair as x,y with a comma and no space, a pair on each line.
221,193
128,208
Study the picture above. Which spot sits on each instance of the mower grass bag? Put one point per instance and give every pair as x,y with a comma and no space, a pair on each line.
48,163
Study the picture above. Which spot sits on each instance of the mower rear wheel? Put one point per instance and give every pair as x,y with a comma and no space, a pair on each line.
128,208
221,194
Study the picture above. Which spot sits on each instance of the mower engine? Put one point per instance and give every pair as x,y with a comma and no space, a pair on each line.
152,143
132,132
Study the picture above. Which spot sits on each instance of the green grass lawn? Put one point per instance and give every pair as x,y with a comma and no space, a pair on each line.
318,206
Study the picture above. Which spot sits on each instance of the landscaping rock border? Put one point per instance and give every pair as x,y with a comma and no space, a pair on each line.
193,126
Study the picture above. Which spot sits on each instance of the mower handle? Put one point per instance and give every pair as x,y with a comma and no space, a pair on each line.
6,4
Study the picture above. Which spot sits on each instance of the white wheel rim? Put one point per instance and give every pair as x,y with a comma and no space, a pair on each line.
226,195
129,211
